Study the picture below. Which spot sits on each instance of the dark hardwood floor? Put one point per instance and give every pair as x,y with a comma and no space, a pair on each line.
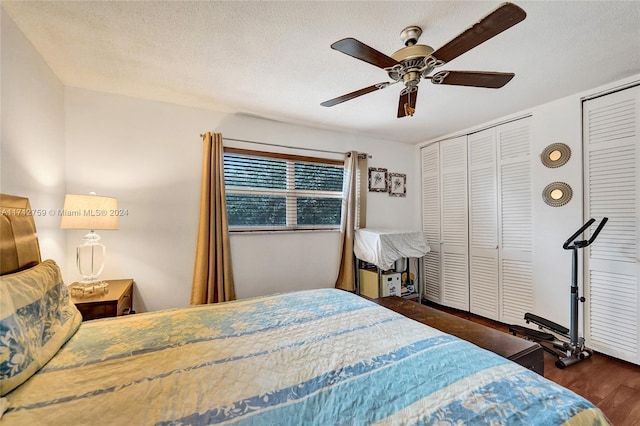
611,384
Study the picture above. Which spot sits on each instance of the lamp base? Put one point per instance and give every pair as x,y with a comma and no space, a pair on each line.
88,289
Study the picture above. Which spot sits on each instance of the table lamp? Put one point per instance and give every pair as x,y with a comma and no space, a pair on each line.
90,212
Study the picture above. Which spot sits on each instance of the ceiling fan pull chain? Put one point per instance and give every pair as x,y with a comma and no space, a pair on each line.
408,110
407,106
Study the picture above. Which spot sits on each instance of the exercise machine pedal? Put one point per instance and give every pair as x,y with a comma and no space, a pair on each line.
529,317
534,334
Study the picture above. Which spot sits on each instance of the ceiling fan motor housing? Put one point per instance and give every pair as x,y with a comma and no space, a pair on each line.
412,52
411,59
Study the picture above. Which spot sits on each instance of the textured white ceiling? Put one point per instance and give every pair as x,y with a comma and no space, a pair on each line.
273,59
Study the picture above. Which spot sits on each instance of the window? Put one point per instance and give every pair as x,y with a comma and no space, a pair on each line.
268,191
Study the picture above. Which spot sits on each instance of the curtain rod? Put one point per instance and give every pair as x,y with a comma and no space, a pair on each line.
285,146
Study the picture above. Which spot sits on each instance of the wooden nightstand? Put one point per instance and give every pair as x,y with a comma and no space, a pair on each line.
118,301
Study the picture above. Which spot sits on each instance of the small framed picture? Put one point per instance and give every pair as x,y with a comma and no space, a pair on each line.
397,185
378,180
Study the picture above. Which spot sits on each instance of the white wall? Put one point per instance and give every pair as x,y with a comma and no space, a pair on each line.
557,121
32,140
148,155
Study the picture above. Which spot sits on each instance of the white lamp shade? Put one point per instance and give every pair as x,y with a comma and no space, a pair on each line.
89,212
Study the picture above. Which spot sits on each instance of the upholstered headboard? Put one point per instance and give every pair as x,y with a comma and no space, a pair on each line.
19,248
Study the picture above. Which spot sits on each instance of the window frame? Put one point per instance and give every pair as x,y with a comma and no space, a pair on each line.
291,194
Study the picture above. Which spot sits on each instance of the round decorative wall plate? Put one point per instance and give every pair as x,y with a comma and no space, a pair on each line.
557,194
555,155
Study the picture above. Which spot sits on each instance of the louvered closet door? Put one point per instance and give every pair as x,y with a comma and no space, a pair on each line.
611,137
483,224
515,221
454,225
431,220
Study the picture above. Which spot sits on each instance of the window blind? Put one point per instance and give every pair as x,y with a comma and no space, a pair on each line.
281,192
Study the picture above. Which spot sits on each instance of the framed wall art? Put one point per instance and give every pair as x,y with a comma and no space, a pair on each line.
397,185
378,180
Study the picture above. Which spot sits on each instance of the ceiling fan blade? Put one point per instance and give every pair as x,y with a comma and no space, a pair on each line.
493,24
359,50
407,103
352,95
492,80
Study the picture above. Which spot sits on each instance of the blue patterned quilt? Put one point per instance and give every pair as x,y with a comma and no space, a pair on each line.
320,357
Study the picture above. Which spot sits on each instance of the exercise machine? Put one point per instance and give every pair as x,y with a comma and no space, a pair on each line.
562,342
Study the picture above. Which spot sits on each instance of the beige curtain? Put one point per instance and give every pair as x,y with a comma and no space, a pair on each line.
353,163
212,277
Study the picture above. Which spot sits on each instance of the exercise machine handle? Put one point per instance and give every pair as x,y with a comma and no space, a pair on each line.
581,244
578,232
598,229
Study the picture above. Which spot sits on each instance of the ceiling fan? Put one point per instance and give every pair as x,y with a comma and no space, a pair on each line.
416,61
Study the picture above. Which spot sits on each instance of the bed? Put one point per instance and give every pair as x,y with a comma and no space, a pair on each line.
325,357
